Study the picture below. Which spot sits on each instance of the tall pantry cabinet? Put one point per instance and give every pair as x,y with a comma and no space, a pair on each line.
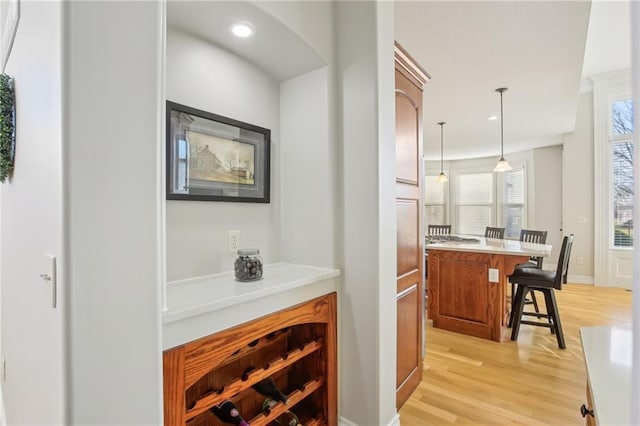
410,79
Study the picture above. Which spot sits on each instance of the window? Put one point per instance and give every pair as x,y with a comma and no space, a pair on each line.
513,212
484,199
474,202
435,202
622,172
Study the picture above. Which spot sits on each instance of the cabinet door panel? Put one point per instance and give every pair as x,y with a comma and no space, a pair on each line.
457,301
407,139
408,252
409,344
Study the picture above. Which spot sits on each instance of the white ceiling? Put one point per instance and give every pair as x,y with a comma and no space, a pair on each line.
535,49
274,47
470,48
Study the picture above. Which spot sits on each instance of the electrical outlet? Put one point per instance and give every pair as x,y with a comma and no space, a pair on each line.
579,260
493,276
234,241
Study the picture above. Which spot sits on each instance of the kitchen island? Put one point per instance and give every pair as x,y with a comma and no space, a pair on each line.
468,279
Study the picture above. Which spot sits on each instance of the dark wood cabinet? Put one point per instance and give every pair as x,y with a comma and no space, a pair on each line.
409,79
295,347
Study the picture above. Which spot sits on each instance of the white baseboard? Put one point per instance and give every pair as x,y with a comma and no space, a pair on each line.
580,279
344,422
395,421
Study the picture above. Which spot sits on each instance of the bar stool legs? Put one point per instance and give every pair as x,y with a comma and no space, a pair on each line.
550,300
552,314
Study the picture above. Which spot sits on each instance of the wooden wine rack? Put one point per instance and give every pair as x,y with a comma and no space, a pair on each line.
296,347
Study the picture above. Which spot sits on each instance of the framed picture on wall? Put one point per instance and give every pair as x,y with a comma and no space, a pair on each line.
215,158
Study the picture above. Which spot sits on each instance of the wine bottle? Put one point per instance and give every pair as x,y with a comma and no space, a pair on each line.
228,413
268,404
267,387
287,419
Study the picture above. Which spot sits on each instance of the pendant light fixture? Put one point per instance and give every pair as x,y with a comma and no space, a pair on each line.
502,165
442,178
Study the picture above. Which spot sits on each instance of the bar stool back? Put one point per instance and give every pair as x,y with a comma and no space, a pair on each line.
547,282
491,232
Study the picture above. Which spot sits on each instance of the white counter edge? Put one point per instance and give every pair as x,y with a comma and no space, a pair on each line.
201,320
176,315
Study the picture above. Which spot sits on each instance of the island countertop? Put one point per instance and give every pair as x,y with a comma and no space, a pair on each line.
474,244
200,306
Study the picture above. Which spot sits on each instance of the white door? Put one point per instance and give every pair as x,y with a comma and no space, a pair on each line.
613,184
620,268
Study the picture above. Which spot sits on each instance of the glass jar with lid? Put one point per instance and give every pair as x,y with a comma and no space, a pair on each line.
248,265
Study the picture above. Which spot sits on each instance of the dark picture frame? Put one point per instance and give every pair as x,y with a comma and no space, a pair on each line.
215,158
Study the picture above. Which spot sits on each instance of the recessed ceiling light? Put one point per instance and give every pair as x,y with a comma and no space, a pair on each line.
492,118
242,29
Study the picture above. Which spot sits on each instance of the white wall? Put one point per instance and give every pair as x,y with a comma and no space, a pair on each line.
387,208
547,163
203,76
312,20
368,316
31,225
577,177
308,172
111,166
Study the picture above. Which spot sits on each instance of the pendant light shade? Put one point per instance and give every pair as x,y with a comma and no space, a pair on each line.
442,178
502,165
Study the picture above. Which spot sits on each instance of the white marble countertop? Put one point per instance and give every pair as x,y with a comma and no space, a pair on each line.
200,306
495,246
607,353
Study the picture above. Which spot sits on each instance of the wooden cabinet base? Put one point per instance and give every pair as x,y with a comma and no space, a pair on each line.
461,297
589,417
295,347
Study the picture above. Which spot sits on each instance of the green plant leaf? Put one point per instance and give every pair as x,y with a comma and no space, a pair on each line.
7,126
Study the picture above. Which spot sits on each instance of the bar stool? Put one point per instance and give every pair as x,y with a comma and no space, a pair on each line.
434,230
438,229
529,236
547,282
491,232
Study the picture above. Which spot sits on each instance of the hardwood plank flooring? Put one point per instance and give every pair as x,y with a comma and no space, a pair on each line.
471,381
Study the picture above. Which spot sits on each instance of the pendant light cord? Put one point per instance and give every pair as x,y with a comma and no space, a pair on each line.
502,165
441,124
501,90
501,128
441,150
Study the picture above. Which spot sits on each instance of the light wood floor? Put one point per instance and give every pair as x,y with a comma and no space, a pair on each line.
467,380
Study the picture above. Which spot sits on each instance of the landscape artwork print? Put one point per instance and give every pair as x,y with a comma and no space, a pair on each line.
216,159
